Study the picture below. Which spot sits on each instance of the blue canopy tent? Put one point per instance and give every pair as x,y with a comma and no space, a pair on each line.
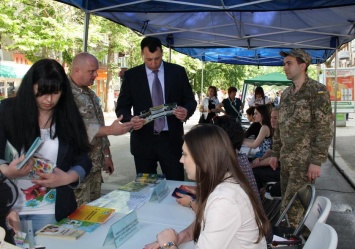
235,32
244,32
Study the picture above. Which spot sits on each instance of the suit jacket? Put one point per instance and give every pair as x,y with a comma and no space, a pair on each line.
65,202
135,93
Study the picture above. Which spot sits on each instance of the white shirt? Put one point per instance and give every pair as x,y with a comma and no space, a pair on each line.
229,221
33,198
160,75
254,101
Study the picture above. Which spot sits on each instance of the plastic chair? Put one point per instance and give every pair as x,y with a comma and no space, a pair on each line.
306,195
322,236
319,212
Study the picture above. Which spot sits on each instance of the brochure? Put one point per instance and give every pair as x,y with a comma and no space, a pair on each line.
11,152
133,186
92,214
149,178
60,232
78,224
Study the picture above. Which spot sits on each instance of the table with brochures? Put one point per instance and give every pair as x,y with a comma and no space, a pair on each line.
153,217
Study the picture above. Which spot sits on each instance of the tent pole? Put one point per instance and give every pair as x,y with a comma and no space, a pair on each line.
202,65
86,31
335,101
244,93
169,54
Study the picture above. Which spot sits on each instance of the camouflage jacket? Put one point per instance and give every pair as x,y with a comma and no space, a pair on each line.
90,109
305,124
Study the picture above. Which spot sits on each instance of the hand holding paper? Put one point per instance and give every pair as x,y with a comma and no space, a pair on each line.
12,170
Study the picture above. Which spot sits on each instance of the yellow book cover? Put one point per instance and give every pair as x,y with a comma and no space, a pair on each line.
92,214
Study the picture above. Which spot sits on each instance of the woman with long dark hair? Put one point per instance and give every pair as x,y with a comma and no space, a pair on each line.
264,138
228,214
259,97
44,107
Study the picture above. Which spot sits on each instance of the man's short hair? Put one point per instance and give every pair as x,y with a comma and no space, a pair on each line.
232,89
153,43
298,53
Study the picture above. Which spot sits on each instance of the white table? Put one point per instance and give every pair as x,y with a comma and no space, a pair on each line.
153,217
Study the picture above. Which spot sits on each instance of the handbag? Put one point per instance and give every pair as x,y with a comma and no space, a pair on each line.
202,119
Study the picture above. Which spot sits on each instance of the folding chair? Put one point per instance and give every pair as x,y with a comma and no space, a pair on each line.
306,195
271,204
319,212
322,236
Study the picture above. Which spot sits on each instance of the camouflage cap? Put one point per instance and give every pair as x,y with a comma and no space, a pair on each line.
300,53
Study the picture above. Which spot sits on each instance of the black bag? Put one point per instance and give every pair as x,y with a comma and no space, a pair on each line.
202,119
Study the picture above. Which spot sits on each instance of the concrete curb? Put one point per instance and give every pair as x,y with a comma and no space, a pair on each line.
342,166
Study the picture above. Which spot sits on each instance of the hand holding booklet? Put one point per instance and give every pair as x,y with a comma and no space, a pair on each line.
12,154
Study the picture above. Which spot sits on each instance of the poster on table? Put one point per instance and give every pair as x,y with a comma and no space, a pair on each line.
345,92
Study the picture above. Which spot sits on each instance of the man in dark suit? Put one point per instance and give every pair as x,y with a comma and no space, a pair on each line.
149,146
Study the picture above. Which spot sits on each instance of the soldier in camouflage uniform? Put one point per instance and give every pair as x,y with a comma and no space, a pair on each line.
83,73
304,130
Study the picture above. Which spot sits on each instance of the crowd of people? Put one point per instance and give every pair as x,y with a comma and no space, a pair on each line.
292,134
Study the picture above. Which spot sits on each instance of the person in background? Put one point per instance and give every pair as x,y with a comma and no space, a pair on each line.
231,105
83,73
277,99
262,170
254,127
208,107
304,131
264,138
161,140
228,214
45,107
259,97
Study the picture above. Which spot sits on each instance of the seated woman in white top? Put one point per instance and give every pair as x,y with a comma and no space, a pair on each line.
228,214
259,97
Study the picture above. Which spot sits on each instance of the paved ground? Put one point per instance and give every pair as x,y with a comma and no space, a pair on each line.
337,181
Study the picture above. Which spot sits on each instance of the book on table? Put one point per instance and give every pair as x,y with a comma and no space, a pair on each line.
92,214
60,232
149,178
133,186
78,224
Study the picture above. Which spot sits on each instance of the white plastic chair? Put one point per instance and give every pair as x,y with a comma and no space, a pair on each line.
322,236
319,212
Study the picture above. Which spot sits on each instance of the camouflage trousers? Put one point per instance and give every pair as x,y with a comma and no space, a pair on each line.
292,178
90,189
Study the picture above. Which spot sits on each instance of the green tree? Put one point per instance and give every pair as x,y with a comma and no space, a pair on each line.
107,39
40,29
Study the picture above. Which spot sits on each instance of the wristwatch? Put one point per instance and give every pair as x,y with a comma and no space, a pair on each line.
107,156
167,245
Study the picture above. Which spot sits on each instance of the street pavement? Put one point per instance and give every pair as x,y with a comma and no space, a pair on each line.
337,181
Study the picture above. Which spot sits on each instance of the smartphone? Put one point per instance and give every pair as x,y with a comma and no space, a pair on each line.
178,190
